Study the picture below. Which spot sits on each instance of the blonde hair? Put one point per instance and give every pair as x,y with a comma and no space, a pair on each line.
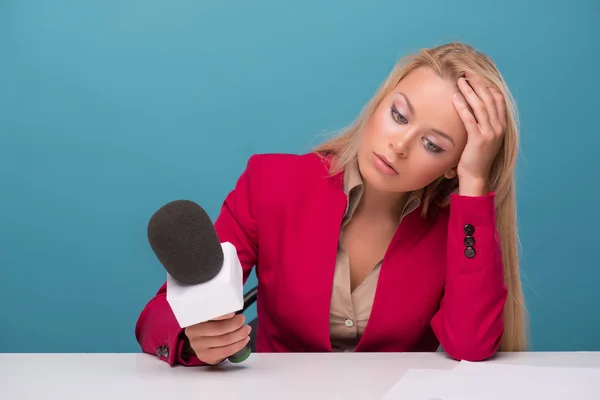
451,61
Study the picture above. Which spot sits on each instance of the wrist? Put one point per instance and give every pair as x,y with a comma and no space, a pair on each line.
473,187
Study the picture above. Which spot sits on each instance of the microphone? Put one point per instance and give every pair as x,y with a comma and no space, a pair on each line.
204,276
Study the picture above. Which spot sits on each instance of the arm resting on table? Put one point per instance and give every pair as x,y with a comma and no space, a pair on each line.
157,331
469,323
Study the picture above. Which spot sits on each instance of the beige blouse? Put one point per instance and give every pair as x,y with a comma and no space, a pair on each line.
349,312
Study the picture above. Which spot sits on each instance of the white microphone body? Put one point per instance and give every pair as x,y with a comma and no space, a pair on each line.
223,294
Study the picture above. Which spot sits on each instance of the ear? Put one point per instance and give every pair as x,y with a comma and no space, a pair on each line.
451,174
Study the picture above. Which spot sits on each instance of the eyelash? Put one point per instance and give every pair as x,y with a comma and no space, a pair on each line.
434,147
396,113
429,145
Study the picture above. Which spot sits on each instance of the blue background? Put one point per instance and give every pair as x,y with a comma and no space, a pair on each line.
110,109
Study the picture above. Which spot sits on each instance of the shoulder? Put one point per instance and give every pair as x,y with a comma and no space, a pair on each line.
281,181
290,160
282,168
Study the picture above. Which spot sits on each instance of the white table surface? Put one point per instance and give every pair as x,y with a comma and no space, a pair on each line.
265,376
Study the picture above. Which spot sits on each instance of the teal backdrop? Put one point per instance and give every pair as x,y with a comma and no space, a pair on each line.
109,109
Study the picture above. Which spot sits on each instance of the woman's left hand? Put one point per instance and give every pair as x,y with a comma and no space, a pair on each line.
485,132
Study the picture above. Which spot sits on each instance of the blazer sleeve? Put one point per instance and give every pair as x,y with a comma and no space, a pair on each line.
469,324
157,330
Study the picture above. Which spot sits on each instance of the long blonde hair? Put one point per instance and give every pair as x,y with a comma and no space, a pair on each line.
451,61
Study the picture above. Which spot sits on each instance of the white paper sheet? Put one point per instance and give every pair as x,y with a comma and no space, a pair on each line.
487,381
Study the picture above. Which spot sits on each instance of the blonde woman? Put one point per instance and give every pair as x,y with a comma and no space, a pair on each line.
397,235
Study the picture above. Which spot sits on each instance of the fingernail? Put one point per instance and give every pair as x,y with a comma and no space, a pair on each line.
243,318
249,329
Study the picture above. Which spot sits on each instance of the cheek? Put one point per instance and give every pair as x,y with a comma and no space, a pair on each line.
422,173
425,168
428,172
378,129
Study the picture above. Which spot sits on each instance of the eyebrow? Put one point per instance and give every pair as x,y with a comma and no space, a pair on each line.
412,111
444,135
410,106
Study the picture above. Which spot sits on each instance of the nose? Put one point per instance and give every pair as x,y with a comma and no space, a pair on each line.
399,145
400,142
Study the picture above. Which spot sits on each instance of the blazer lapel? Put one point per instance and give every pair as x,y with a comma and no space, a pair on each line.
323,254
307,286
383,326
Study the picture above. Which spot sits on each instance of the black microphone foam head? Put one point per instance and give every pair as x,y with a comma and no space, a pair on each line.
184,239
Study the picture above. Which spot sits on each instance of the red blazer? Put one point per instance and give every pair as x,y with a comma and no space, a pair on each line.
284,216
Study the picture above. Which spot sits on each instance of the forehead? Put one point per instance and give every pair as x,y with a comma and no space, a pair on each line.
431,98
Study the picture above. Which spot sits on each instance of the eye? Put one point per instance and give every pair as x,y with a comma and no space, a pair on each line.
432,147
401,119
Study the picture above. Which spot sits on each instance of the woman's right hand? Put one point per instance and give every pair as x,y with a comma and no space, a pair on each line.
213,341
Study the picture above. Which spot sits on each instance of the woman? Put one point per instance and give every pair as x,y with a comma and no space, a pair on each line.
397,235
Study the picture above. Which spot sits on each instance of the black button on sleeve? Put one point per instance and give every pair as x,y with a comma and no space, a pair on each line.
470,252
469,241
469,229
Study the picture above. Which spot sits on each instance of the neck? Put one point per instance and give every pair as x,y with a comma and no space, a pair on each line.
378,204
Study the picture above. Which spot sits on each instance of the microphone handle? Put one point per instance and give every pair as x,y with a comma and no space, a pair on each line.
241,355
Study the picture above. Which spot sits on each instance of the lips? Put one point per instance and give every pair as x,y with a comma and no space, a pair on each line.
386,162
